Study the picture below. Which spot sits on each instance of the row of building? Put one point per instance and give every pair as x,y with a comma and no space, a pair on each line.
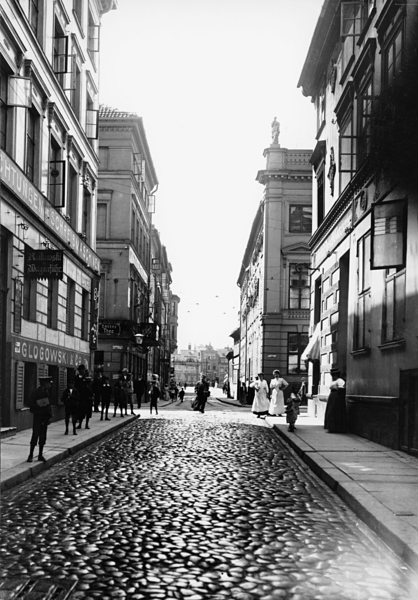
330,274
189,365
84,275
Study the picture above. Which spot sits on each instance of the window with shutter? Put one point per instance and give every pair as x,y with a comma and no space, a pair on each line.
19,384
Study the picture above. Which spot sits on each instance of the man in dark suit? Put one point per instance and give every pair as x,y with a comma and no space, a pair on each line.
40,406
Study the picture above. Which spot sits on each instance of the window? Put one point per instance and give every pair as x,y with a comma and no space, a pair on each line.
320,107
78,11
69,311
3,107
86,216
392,56
32,143
102,220
60,52
362,329
353,18
34,15
347,149
29,298
300,218
84,315
72,196
102,302
320,198
92,119
297,343
75,93
92,39
133,222
298,287
394,305
56,175
52,303
364,111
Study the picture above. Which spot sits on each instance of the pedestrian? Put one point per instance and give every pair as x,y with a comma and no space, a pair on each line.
292,409
181,394
303,392
120,394
82,383
106,396
71,401
251,391
129,386
202,394
154,395
97,389
40,407
139,388
277,385
260,405
335,413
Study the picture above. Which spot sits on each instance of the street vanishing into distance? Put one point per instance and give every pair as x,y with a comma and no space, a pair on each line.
194,507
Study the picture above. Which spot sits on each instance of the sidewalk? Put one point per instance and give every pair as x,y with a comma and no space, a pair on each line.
378,484
14,450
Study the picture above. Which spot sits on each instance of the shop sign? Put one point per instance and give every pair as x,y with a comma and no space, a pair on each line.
14,178
109,327
39,352
94,311
44,264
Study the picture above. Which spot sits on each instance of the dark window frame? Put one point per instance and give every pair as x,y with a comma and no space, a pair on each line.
300,347
394,301
297,277
298,227
362,335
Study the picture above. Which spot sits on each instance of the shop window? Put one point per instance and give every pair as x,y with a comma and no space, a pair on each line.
52,304
30,381
393,322
296,344
300,218
363,316
85,315
70,308
29,298
299,290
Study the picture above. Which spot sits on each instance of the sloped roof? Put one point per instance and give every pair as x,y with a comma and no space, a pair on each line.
108,112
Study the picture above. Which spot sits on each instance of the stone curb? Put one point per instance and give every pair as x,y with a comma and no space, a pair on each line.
395,533
22,473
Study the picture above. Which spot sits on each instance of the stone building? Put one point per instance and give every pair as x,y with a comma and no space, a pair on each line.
49,62
274,276
360,71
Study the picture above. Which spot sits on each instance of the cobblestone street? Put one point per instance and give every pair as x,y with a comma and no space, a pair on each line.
193,507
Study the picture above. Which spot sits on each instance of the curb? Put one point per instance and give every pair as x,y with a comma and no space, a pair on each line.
24,473
395,533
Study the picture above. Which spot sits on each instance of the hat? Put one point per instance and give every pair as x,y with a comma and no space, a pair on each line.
262,374
125,370
45,380
80,367
105,378
276,371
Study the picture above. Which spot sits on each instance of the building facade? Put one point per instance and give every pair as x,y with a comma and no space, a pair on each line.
49,57
359,70
186,366
127,180
274,277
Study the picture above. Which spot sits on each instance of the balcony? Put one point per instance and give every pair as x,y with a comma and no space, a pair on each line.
295,313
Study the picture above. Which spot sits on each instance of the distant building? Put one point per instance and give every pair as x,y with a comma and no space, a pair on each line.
274,278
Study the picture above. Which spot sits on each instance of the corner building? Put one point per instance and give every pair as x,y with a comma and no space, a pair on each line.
274,277
48,149
364,301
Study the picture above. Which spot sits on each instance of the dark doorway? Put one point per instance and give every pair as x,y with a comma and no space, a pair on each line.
343,313
409,411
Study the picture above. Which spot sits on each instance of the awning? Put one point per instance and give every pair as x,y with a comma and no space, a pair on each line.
311,351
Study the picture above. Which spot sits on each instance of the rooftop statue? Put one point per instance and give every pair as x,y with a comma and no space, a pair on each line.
275,131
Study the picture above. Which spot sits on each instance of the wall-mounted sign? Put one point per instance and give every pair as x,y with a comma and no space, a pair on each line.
39,352
109,327
44,264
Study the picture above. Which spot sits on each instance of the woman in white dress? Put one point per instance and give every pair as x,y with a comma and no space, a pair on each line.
277,385
260,404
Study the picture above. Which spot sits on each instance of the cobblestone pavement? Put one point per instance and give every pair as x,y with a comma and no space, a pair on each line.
193,507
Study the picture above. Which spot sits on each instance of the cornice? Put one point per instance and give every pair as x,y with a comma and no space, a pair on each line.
263,176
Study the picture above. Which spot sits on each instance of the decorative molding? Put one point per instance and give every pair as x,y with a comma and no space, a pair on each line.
298,158
296,314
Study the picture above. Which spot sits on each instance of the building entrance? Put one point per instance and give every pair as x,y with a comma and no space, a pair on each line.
409,411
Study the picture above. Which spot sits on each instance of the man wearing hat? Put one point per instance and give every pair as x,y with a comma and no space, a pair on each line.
41,408
82,383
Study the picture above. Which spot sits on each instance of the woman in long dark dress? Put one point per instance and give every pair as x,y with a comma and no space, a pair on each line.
335,413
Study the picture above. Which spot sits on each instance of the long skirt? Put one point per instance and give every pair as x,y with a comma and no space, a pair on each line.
260,405
335,412
276,403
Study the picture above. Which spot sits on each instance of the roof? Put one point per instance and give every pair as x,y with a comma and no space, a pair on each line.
108,112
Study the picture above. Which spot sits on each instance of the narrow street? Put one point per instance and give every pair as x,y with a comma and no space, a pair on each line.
190,506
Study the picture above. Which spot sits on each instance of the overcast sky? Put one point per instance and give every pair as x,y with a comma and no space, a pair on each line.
208,77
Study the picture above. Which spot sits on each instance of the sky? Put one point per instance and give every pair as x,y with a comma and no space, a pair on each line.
208,77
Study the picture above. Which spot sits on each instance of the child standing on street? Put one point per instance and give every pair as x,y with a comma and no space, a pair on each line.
154,394
292,410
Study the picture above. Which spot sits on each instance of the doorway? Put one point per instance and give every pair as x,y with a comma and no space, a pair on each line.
408,438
